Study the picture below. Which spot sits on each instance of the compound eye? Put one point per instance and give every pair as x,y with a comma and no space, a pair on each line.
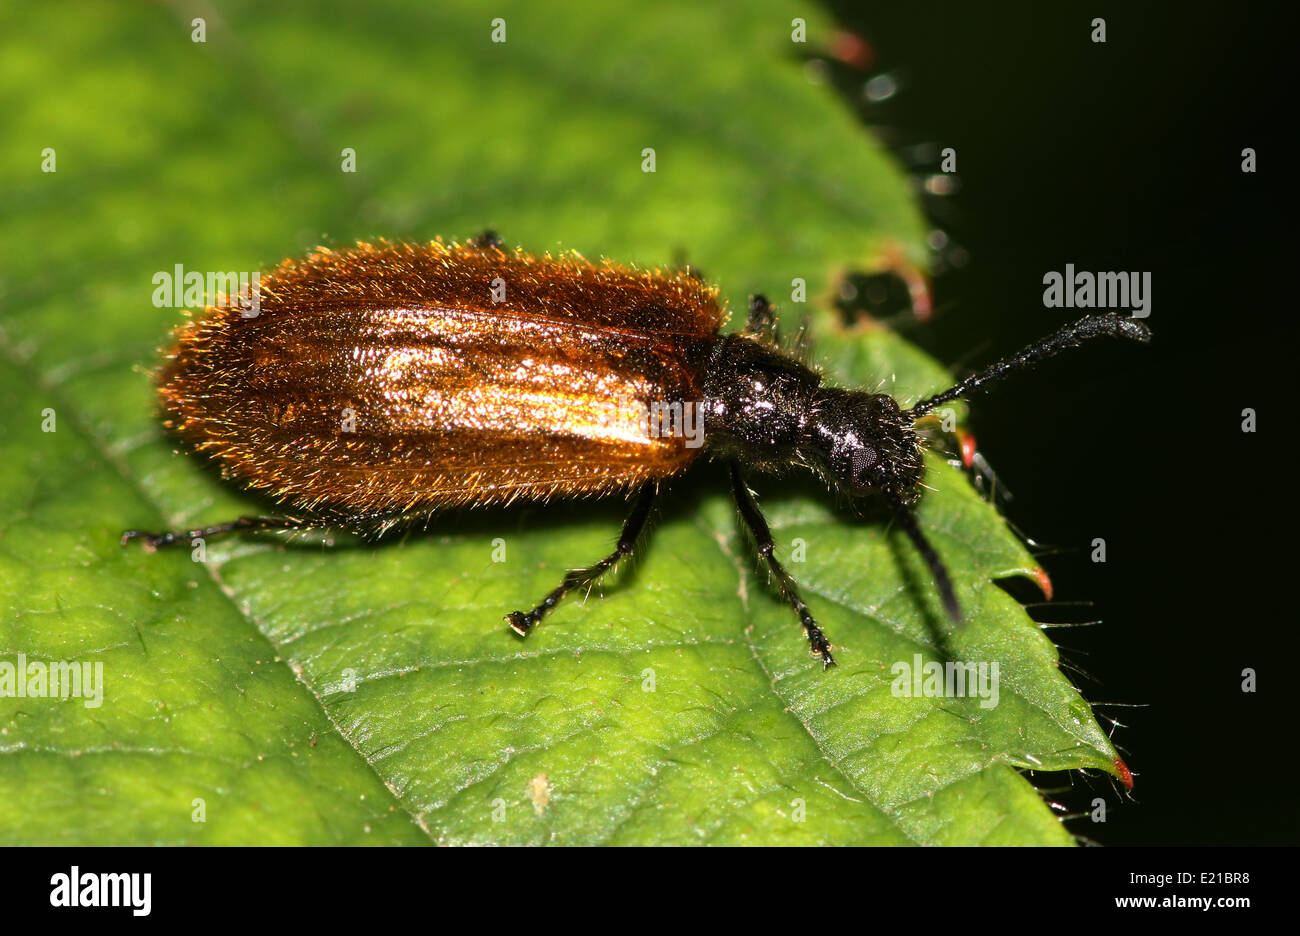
864,459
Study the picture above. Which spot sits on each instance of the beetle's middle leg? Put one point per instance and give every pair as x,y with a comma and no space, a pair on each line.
753,518
521,623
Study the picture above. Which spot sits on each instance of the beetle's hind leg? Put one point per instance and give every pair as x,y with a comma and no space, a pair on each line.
153,541
753,518
521,623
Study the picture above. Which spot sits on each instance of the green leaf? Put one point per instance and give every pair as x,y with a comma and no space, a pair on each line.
315,693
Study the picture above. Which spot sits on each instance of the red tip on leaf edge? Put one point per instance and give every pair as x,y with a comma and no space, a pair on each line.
1125,775
968,448
852,50
1044,583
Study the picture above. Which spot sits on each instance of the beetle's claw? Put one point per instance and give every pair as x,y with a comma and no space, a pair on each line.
151,540
519,622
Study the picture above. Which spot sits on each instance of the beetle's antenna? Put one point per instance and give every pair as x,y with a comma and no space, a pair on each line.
942,581
1112,324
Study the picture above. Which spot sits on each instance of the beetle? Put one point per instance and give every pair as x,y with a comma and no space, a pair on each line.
376,384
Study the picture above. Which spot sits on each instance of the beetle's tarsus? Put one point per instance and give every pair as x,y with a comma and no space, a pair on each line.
151,540
519,622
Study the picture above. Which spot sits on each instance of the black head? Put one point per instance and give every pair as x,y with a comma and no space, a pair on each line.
766,410
863,443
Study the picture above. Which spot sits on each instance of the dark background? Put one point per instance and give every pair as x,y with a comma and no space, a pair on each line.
1126,156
